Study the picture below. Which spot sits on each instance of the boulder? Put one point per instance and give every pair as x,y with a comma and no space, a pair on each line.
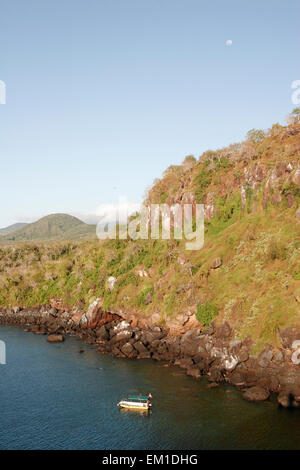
265,358
237,379
235,345
144,355
117,352
230,362
194,372
185,363
53,312
210,330
289,335
154,345
213,385
190,343
215,375
183,322
55,338
140,347
102,333
217,263
121,336
127,349
111,282
243,355
173,346
284,399
278,357
256,394
223,331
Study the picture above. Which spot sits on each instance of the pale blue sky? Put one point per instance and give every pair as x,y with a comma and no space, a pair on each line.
103,95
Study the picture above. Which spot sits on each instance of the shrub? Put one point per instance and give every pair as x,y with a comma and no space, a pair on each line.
291,188
202,181
276,250
294,116
256,135
141,298
206,313
189,162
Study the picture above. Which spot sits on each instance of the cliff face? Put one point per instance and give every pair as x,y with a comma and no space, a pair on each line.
247,274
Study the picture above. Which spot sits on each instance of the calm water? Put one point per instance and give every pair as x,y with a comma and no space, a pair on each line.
52,397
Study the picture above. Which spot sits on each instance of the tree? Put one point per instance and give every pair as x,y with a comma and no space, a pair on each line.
256,135
294,116
189,162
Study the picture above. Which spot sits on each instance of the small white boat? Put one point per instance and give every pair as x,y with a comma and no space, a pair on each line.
136,403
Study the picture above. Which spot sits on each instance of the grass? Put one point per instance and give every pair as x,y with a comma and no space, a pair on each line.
257,288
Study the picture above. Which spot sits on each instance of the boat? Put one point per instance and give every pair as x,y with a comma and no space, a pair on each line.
136,403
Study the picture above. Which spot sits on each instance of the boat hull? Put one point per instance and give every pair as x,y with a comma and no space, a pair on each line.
134,406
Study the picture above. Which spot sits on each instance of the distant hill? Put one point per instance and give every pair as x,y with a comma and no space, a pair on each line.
52,227
11,228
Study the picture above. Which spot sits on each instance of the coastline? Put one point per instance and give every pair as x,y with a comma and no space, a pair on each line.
213,352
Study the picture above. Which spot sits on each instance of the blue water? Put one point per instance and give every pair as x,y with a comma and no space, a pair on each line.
53,397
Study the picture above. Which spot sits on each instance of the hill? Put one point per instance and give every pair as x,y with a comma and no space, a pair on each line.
11,228
247,273
52,227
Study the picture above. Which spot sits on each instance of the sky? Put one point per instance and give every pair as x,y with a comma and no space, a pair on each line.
103,95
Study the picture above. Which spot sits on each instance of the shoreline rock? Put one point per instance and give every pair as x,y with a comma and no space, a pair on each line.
213,352
55,338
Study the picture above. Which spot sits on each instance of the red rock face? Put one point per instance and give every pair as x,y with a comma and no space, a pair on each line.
101,318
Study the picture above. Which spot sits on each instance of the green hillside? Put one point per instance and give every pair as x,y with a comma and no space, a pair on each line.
251,193
52,227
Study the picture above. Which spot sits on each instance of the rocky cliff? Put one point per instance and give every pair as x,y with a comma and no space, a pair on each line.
230,310
213,351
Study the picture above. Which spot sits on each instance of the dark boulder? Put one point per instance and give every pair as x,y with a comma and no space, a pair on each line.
288,336
215,375
140,347
237,379
223,331
190,343
265,358
256,394
128,350
194,372
243,354
184,363
102,333
123,335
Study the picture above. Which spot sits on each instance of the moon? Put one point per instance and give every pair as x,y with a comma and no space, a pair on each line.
229,42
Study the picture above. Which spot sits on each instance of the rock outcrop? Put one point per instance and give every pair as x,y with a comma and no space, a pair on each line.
213,352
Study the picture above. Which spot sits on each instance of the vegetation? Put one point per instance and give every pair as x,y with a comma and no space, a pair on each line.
206,313
251,225
256,135
294,116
